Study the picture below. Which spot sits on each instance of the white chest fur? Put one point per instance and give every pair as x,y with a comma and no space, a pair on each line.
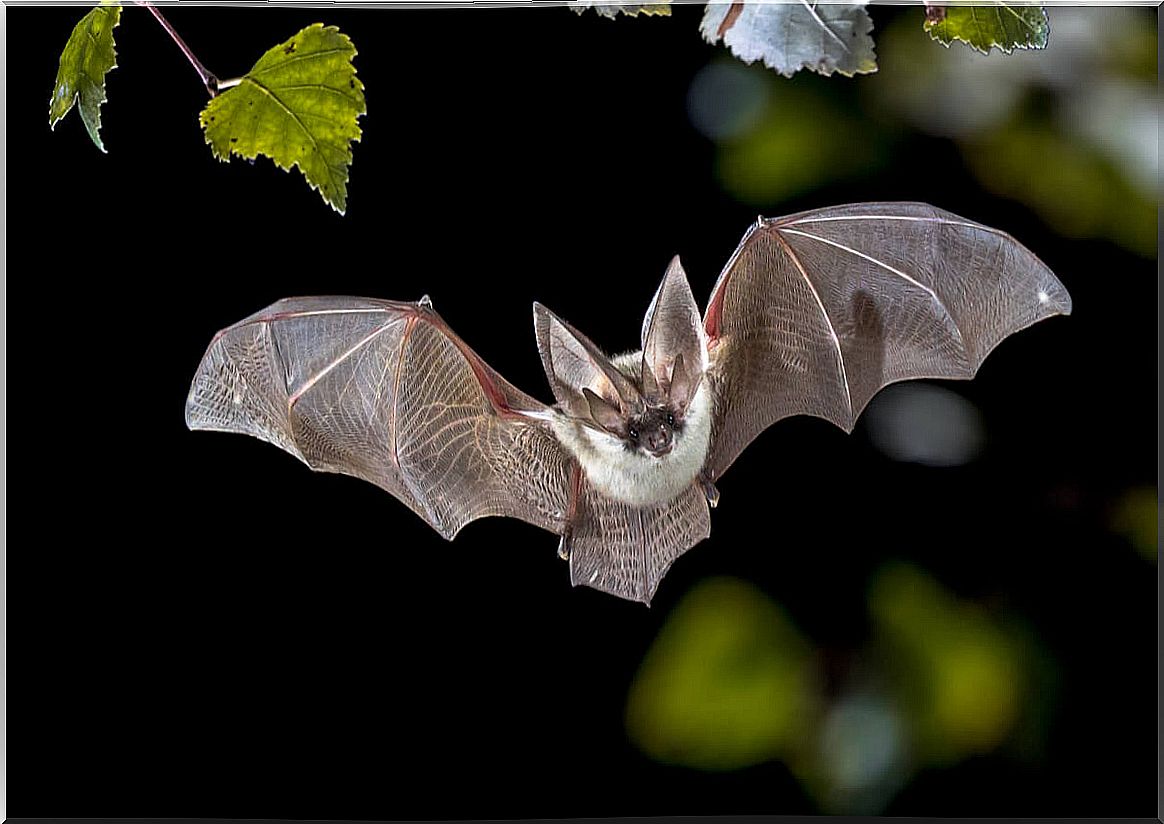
633,477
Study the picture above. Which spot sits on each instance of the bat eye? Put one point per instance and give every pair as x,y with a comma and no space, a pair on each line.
633,432
671,419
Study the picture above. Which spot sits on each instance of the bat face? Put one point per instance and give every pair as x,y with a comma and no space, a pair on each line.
632,422
653,432
812,315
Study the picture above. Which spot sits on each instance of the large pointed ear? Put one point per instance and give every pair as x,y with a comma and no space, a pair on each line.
672,332
573,363
606,415
684,383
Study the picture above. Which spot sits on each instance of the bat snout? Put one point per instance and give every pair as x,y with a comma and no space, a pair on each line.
659,440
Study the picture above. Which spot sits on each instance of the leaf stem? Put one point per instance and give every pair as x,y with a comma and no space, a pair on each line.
208,78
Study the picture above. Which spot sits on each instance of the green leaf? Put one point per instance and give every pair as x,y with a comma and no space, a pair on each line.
783,156
730,682
298,106
788,37
1003,25
612,10
87,58
965,669
1086,196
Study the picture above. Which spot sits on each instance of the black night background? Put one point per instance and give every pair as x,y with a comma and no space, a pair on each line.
199,625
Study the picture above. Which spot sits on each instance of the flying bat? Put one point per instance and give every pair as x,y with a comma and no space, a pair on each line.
812,315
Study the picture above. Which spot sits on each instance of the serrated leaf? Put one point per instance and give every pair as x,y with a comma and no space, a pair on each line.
299,106
1005,26
87,58
612,10
789,37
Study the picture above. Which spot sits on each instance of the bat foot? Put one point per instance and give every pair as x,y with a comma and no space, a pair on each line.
709,492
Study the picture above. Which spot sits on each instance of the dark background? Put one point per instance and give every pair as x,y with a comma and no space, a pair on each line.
197,625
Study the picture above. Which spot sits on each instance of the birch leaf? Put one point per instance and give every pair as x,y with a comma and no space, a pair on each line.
299,106
87,58
1003,25
788,37
611,10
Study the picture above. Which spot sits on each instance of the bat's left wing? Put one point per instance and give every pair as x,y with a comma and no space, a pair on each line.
386,392
816,312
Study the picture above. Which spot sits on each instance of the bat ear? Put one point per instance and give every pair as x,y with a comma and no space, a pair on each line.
684,382
573,364
672,329
604,414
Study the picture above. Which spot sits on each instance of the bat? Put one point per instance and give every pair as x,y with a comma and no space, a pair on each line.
812,315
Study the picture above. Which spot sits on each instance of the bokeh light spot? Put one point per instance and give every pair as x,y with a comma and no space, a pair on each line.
925,424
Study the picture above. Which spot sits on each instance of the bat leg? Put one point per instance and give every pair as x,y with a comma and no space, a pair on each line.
709,491
571,514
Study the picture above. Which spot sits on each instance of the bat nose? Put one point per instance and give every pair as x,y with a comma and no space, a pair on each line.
659,440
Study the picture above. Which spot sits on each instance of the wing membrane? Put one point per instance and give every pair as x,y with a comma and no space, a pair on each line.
627,550
385,392
816,312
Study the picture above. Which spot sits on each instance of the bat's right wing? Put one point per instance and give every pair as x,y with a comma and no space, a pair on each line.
816,312
385,391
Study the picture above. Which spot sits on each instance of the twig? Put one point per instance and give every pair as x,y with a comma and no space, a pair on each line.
208,79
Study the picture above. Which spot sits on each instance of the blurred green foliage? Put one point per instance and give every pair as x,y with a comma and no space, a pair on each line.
730,682
1080,191
727,684
960,670
796,144
1071,130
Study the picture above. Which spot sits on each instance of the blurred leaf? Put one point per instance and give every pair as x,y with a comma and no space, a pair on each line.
298,106
1135,59
612,10
1074,188
1120,120
789,37
88,56
802,141
728,683
963,671
1137,517
1069,131
1005,26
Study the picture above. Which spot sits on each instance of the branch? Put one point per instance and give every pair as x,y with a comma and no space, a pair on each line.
208,79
